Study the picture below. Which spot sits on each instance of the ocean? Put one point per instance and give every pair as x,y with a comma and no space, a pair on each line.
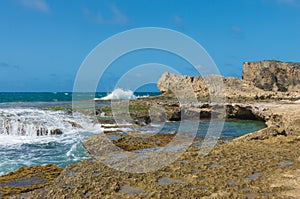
62,96
22,115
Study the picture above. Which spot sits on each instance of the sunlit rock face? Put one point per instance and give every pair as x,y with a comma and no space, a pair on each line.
273,75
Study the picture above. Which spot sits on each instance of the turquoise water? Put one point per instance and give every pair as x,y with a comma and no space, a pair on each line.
53,96
62,152
231,128
20,145
21,118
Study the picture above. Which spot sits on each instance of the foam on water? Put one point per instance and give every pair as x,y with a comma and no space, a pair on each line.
120,94
29,122
21,146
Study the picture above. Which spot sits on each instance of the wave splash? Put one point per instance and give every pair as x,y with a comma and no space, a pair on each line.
120,94
36,122
22,144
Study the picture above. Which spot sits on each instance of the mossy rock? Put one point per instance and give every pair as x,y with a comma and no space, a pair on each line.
26,179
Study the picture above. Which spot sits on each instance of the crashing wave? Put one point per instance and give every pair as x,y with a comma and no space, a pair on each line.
36,122
120,94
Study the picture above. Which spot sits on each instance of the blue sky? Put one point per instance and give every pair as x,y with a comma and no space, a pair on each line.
43,42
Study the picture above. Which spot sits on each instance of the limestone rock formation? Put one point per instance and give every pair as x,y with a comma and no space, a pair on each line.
235,89
273,75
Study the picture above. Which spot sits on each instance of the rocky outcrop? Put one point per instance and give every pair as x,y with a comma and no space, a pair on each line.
74,124
235,89
281,119
273,75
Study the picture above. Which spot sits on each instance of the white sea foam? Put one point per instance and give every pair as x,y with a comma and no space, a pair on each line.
21,146
22,125
120,94
143,96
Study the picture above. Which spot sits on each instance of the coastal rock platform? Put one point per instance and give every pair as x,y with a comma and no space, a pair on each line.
262,164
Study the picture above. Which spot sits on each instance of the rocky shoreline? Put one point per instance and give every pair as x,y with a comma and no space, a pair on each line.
262,164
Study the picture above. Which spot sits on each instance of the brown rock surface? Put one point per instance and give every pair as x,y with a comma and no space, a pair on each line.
263,164
231,170
281,118
27,179
273,75
235,89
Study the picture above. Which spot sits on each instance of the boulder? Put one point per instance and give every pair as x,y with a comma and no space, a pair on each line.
74,124
56,132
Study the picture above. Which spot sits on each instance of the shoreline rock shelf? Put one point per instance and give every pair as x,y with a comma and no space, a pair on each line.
261,164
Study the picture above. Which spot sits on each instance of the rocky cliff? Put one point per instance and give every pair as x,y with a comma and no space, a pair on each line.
273,75
235,89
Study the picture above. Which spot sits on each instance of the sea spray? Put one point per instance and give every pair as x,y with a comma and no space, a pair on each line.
120,94
35,122
21,146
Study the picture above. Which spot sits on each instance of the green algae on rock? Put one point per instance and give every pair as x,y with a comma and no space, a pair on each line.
236,176
27,179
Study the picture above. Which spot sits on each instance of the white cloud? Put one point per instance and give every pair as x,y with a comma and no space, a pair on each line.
236,29
237,32
117,17
96,17
178,21
39,5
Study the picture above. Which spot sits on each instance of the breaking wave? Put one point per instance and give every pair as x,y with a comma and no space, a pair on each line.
30,136
120,94
37,122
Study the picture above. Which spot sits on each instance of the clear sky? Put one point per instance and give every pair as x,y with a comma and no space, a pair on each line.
43,42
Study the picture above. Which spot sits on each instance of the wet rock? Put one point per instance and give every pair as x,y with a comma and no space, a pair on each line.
253,176
56,132
131,190
27,179
74,124
168,181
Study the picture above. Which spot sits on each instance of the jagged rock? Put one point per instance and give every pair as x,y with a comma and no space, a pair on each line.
273,75
74,124
234,89
263,134
240,112
56,132
44,131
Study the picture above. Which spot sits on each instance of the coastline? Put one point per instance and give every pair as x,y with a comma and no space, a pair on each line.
260,164
251,166
280,137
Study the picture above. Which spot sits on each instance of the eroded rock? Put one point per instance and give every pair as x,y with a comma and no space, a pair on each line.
273,75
